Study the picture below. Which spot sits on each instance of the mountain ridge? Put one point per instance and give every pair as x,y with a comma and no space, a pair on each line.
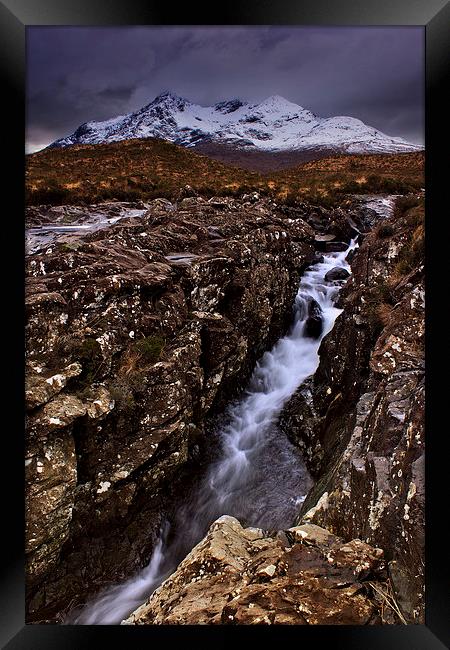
271,126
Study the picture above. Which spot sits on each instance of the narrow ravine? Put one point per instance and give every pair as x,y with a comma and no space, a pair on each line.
259,477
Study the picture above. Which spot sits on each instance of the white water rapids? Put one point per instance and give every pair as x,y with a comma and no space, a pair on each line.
259,476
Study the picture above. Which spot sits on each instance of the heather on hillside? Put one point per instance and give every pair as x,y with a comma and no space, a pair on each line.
151,168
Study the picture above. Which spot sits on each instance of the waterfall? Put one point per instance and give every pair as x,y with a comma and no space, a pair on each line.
259,476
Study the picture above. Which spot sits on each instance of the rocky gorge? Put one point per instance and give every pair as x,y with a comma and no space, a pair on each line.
138,336
360,420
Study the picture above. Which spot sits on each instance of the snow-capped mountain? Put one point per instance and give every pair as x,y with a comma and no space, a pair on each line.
275,124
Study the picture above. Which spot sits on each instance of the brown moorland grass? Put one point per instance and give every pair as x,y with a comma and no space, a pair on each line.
150,168
409,223
326,180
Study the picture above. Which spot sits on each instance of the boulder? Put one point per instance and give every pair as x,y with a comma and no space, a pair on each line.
318,258
314,322
321,241
335,246
187,192
336,274
324,238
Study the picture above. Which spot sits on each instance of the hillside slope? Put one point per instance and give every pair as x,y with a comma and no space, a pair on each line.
150,168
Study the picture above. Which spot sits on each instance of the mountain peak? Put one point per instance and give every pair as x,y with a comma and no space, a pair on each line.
279,101
167,94
169,97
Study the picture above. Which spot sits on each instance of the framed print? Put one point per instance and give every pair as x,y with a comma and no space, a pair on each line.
219,232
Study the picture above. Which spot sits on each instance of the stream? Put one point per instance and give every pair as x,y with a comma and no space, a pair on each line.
85,222
258,477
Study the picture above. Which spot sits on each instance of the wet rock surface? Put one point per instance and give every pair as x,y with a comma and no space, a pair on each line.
336,274
360,420
244,576
141,331
136,333
314,322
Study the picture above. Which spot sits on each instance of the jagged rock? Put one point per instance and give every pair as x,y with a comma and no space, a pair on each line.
162,204
338,273
228,579
140,345
41,385
360,420
310,534
51,476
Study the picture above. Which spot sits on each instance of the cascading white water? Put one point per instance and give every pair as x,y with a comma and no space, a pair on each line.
259,476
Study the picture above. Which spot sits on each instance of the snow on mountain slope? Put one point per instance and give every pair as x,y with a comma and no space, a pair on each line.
274,124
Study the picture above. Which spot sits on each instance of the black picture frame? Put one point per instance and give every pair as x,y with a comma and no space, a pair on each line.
15,17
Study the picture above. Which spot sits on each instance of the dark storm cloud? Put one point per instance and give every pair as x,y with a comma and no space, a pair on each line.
80,74
121,94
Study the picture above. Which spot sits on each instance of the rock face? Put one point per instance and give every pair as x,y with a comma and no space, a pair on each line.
360,421
302,576
136,333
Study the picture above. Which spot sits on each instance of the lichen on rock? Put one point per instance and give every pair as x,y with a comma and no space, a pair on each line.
360,420
239,576
134,337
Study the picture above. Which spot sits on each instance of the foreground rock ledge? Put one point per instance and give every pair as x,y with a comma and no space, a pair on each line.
301,576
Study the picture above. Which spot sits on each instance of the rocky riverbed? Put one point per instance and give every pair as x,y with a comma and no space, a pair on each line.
142,330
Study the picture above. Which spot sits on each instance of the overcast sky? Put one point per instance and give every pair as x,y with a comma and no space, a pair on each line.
77,74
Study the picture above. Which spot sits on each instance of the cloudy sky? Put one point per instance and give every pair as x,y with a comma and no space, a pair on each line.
77,74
